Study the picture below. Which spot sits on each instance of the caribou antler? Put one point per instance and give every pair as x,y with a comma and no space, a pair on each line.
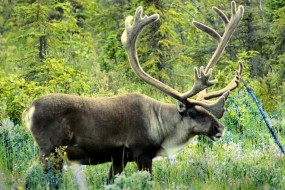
202,75
217,107
230,87
128,39
230,26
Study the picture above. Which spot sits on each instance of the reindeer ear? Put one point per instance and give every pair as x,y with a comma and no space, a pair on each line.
181,107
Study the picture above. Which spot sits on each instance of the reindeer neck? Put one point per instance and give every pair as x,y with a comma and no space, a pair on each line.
170,129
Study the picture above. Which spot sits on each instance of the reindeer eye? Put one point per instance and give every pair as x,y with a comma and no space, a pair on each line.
193,113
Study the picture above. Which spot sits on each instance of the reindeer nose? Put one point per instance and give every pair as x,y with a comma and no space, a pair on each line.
217,129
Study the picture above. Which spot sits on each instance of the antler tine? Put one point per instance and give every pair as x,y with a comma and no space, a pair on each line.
234,7
207,30
132,30
230,87
217,108
222,15
229,29
201,82
230,26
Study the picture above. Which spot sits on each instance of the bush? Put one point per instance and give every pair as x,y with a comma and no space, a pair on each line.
17,152
51,75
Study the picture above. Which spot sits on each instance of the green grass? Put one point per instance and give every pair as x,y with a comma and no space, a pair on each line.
246,158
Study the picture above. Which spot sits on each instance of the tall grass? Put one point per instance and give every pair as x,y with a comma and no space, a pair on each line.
246,158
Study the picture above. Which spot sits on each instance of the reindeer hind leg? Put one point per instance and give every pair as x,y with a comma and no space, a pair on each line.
119,161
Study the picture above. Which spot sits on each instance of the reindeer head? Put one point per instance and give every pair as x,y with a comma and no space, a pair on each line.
206,112
200,121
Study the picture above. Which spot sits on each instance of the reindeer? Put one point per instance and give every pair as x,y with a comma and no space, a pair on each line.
134,127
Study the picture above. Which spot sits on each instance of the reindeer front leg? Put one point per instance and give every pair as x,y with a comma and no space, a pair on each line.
120,159
117,167
144,163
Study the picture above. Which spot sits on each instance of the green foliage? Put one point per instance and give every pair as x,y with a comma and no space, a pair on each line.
138,180
51,75
15,94
17,150
41,29
59,77
270,90
275,4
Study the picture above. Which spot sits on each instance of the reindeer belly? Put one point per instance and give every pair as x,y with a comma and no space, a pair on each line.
96,156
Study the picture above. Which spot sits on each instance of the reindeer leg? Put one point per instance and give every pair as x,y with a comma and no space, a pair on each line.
144,164
116,168
119,162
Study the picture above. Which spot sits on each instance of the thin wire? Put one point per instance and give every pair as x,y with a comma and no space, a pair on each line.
265,118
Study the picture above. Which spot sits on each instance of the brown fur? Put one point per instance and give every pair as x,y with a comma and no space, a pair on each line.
98,130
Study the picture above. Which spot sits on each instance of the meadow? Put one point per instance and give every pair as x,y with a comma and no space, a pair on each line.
246,158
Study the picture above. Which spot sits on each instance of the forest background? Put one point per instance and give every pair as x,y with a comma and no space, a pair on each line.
73,46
